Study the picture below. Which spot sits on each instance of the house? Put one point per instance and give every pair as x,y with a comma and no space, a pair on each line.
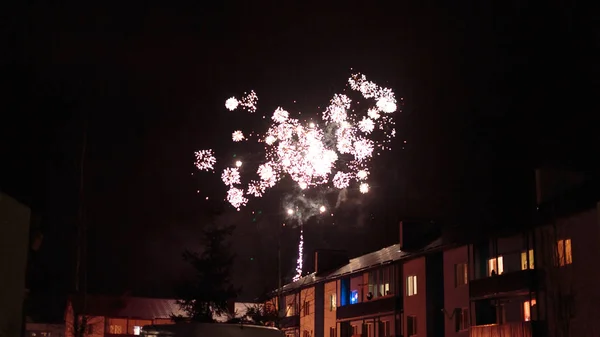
395,291
108,316
44,330
14,242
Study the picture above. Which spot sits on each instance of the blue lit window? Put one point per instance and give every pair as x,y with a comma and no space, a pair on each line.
354,297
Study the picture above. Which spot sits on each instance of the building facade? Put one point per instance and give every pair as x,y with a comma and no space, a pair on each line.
117,316
541,281
390,292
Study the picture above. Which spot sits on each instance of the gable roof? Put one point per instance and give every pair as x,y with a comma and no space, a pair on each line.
371,260
125,306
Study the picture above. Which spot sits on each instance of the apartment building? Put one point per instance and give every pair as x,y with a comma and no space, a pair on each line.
395,291
541,281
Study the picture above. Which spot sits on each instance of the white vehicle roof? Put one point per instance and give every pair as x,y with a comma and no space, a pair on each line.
210,330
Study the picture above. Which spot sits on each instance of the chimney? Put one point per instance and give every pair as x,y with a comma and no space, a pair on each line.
327,260
415,235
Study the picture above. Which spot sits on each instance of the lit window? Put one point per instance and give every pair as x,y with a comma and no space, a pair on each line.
332,302
495,266
527,306
524,260
115,329
354,297
564,252
460,274
411,285
136,330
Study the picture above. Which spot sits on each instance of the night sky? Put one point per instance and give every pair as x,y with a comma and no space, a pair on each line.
490,91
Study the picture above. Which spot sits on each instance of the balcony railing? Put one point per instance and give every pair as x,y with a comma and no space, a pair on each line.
513,329
386,304
289,321
505,283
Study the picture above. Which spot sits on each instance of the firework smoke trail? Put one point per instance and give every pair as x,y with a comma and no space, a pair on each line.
334,152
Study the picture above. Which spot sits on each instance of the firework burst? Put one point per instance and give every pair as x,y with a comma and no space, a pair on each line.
335,152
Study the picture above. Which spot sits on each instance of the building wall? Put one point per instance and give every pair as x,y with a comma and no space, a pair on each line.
307,319
415,305
454,296
329,312
14,241
580,278
97,324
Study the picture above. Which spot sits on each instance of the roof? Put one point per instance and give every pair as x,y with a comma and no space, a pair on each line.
381,257
125,306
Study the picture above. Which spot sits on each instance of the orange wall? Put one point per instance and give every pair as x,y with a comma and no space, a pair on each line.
307,321
415,305
329,312
454,297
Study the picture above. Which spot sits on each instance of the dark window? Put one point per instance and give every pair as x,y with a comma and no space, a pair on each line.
411,325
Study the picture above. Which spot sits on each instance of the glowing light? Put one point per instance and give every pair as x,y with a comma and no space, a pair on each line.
290,211
238,163
322,209
364,188
231,104
237,136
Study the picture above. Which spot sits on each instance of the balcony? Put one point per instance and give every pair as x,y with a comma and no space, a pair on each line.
522,280
289,321
513,329
386,304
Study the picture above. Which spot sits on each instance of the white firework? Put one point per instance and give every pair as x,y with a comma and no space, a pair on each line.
205,160
237,136
231,176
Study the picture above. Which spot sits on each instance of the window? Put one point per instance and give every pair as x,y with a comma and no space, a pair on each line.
495,266
381,282
136,329
354,330
289,310
411,285
332,332
332,302
306,308
117,326
115,329
524,256
354,297
460,274
384,329
368,330
411,325
462,319
305,333
564,252
527,309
